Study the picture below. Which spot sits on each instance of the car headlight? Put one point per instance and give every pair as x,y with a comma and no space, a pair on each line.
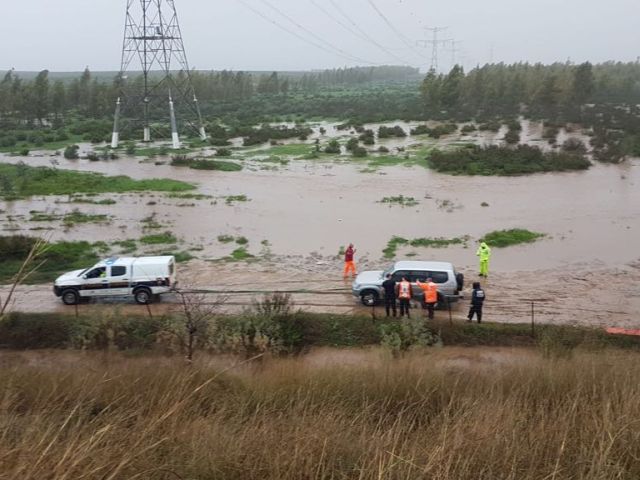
355,286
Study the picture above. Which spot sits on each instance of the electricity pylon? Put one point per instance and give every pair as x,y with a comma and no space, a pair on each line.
153,53
435,43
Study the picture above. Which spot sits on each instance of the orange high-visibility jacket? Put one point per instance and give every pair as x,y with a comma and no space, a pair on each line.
430,292
404,290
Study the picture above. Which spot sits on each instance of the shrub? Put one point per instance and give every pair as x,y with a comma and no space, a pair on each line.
71,152
333,147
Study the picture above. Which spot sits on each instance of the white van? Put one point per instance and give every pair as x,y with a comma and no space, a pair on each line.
142,277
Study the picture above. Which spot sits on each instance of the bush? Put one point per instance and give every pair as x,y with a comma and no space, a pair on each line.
496,160
333,147
407,335
71,152
223,152
359,152
512,137
506,238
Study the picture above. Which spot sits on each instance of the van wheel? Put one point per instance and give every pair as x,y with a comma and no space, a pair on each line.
142,296
70,297
369,298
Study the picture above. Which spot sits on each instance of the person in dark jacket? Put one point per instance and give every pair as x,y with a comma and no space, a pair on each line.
389,286
477,301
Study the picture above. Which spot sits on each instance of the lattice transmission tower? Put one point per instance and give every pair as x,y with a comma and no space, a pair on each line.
155,80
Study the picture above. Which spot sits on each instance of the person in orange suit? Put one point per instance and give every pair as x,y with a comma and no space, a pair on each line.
349,263
430,290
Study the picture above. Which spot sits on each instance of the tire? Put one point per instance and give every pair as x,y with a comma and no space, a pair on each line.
70,297
142,296
460,281
369,298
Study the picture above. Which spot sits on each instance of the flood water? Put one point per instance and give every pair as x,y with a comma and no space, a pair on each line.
589,217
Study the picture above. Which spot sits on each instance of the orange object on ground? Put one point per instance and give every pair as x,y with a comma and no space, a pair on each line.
349,267
623,331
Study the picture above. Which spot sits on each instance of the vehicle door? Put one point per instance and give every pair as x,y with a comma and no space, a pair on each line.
94,282
118,280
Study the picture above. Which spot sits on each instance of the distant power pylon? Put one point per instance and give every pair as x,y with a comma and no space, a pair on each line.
153,47
454,51
435,44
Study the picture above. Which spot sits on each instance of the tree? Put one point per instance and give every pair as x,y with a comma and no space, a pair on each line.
430,90
451,87
40,95
583,83
58,98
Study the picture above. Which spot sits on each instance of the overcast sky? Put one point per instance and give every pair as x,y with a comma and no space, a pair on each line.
67,35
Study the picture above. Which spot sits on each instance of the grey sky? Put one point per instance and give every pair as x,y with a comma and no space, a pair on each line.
68,35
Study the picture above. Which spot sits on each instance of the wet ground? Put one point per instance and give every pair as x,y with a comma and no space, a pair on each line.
298,215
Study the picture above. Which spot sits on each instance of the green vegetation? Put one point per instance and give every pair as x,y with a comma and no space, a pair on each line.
19,181
400,200
203,164
189,196
57,259
126,246
240,254
226,238
92,201
506,238
231,199
79,217
495,160
165,238
397,242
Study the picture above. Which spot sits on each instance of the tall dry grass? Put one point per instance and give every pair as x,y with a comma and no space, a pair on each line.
74,416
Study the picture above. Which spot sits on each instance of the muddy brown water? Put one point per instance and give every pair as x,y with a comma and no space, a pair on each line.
307,209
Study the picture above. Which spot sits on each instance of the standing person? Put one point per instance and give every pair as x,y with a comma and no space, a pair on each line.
389,286
477,300
430,290
484,252
404,294
349,264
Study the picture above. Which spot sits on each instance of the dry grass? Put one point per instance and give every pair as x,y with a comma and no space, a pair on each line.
439,415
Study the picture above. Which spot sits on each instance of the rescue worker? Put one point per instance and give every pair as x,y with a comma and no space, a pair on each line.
404,294
484,252
389,286
430,290
349,264
477,300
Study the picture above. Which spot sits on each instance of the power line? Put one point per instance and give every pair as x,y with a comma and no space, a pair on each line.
291,32
400,35
317,37
356,30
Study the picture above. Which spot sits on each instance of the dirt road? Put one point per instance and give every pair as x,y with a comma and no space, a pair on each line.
580,294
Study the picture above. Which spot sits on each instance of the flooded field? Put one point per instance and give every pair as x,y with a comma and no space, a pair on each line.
296,215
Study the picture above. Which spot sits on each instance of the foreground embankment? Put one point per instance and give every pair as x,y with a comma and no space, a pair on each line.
284,333
437,413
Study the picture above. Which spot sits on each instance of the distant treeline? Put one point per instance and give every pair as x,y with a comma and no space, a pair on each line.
540,90
40,98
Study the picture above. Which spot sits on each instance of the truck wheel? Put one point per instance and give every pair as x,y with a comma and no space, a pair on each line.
142,296
70,297
369,298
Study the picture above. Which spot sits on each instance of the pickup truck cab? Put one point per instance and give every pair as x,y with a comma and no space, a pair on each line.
140,277
368,285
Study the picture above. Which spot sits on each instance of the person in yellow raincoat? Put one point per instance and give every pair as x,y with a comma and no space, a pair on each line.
484,252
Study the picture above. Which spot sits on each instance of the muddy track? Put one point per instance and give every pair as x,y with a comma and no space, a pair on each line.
574,295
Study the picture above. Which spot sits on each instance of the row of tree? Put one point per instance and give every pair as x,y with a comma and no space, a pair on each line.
544,90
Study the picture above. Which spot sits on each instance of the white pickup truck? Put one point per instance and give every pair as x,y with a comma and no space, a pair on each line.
142,277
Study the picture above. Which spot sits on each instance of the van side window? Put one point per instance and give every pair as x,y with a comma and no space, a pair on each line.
440,277
397,276
118,271
417,275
